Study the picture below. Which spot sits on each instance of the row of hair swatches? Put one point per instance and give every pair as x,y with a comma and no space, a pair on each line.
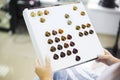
60,47
67,53
47,12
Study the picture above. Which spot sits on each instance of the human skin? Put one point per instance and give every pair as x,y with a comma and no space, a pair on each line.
44,72
107,58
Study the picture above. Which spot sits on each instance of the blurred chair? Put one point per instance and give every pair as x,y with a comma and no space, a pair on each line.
15,9
111,4
115,49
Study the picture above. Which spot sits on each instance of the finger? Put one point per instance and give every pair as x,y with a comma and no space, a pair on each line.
37,66
48,62
107,52
37,62
103,57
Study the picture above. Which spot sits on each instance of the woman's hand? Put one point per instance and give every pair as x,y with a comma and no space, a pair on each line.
107,58
44,72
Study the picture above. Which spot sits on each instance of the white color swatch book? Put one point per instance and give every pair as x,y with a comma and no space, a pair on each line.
63,33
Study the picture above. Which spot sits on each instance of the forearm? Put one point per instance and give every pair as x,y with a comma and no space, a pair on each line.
112,73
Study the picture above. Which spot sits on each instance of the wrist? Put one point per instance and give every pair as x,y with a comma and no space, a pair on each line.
46,78
116,60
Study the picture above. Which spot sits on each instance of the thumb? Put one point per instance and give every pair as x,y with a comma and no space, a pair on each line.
107,52
102,57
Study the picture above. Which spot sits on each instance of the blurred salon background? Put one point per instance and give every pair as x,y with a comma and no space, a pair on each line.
17,55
